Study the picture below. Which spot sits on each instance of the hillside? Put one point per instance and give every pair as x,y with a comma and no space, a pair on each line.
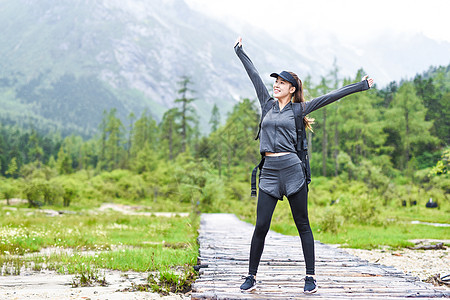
62,64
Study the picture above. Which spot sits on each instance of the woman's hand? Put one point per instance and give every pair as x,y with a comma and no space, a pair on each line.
369,80
238,41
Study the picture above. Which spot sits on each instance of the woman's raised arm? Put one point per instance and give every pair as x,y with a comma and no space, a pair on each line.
260,88
335,95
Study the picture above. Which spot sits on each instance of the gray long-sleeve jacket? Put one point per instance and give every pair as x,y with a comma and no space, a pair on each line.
278,127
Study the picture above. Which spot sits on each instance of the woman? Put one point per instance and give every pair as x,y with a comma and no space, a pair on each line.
282,173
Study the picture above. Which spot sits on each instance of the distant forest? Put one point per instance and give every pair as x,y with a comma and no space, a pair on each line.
398,132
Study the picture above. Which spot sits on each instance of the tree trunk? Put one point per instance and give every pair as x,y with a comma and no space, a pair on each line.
219,158
336,149
324,143
357,147
228,155
364,146
183,127
170,141
130,135
406,139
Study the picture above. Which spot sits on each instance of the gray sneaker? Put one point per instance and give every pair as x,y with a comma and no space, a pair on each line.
249,284
310,285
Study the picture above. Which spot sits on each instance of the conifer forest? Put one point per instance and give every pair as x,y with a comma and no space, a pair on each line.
391,141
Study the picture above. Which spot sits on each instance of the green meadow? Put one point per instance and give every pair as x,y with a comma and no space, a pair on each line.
376,159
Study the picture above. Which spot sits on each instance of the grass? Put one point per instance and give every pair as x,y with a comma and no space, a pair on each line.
88,277
386,226
166,282
370,237
420,213
136,259
26,231
89,241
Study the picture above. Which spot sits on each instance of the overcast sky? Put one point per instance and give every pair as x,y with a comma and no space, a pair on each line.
346,19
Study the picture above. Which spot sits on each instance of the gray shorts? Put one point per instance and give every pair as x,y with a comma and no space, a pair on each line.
282,175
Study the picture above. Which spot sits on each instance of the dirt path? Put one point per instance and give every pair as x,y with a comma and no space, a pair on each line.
132,210
420,263
50,285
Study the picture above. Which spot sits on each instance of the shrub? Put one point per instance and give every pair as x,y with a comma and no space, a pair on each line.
51,191
213,196
7,191
70,192
372,175
33,193
132,187
235,190
331,220
346,165
361,210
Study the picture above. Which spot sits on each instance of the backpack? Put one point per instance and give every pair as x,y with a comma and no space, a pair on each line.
301,145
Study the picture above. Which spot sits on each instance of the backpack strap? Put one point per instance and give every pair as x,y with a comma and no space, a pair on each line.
302,143
255,170
297,108
268,106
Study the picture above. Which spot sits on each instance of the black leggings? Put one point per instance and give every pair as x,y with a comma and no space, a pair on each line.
264,212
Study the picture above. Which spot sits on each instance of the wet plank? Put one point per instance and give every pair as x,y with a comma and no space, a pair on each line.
224,248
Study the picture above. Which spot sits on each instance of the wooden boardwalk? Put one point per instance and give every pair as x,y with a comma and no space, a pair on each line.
224,248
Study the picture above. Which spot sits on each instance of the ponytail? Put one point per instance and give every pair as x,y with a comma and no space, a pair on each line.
299,98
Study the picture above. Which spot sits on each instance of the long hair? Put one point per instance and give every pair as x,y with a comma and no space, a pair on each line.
299,98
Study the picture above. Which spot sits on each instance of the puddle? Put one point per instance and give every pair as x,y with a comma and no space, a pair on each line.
431,224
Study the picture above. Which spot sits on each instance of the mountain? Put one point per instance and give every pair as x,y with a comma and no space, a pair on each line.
62,63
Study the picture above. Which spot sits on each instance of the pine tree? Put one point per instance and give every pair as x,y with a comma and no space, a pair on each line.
215,118
111,141
102,141
407,116
435,96
321,89
12,168
169,129
35,152
186,114
64,162
115,140
131,118
239,132
334,117
145,132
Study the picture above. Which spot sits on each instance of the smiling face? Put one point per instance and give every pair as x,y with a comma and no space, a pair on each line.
282,88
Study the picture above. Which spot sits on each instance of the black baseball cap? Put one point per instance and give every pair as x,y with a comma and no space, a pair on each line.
286,76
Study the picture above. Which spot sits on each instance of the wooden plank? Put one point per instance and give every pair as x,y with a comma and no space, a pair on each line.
224,247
